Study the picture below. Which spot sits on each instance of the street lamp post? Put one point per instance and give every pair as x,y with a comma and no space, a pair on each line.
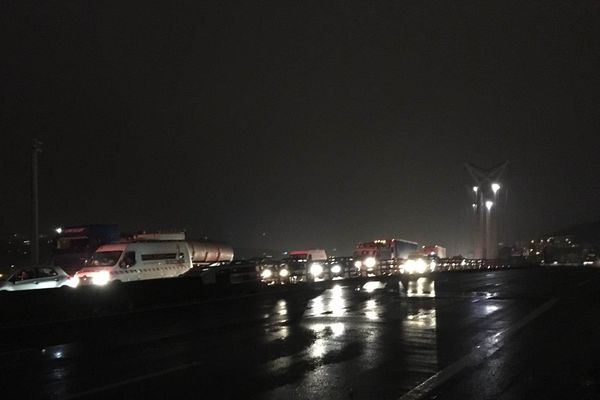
36,148
490,234
486,188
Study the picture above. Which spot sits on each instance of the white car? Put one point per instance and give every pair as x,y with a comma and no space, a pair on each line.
44,277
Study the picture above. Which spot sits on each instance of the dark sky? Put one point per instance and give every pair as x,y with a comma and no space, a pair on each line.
318,124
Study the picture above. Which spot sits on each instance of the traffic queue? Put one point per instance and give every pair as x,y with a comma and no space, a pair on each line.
161,255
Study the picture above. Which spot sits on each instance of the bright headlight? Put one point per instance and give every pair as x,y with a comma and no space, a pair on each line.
266,273
432,266
101,278
336,269
316,269
283,273
370,262
421,266
357,264
415,266
73,281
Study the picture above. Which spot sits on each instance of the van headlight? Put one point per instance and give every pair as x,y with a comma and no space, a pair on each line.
266,273
73,281
316,269
101,278
336,269
370,262
357,263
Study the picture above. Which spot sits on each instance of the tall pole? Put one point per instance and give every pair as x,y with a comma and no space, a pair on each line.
35,230
486,190
488,233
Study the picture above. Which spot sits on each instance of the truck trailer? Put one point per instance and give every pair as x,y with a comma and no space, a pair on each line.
76,244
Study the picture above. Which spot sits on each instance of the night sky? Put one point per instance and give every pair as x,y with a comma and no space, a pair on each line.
287,125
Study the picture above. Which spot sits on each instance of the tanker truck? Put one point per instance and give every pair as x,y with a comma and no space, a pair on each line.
142,259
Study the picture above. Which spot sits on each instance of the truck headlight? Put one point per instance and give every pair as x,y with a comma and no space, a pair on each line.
316,269
421,266
370,262
432,266
415,266
266,273
357,263
336,269
284,273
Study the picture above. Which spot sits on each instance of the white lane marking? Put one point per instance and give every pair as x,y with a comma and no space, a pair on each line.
484,350
133,380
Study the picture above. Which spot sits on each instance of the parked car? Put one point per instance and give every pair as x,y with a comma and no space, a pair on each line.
43,277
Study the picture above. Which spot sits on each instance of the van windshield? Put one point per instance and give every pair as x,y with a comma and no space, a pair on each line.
105,258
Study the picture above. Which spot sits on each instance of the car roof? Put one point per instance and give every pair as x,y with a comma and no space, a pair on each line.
5,270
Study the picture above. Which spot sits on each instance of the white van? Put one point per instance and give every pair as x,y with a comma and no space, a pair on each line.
134,261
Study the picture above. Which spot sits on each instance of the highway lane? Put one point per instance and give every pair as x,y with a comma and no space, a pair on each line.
340,342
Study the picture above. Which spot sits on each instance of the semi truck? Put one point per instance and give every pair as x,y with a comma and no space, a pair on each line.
369,254
435,251
76,244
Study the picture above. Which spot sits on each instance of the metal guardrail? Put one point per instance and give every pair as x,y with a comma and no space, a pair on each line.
451,264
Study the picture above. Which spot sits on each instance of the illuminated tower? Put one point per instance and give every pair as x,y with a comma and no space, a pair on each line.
484,195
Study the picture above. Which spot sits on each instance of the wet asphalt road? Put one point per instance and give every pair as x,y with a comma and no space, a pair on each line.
339,342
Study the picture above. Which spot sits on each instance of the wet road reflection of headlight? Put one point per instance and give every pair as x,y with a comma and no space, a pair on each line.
370,262
336,269
371,286
316,269
284,273
266,273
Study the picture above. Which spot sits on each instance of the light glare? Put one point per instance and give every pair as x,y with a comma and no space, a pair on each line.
316,269
284,273
266,274
370,262
101,278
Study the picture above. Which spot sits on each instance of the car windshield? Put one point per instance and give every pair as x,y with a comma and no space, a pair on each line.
105,258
